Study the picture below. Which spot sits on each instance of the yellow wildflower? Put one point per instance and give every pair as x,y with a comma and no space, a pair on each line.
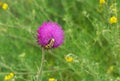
6,77
102,1
52,79
113,19
69,59
5,6
9,76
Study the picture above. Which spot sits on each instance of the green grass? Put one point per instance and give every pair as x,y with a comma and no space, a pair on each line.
93,42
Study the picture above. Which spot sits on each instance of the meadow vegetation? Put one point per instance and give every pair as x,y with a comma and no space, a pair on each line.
91,49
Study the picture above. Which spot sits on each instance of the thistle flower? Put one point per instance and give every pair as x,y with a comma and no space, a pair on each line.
113,19
50,35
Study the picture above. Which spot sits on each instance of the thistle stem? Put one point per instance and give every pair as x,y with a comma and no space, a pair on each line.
39,74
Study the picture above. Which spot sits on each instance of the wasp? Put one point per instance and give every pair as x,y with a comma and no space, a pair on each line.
50,44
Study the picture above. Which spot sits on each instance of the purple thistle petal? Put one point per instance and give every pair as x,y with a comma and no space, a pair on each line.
50,30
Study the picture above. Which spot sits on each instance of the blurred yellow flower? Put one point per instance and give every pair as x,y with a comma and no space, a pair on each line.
9,76
102,1
12,74
52,79
69,59
5,6
113,19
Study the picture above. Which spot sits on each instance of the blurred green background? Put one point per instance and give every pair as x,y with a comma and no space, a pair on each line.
89,38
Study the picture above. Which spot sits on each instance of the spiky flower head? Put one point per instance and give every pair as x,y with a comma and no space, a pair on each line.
50,35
